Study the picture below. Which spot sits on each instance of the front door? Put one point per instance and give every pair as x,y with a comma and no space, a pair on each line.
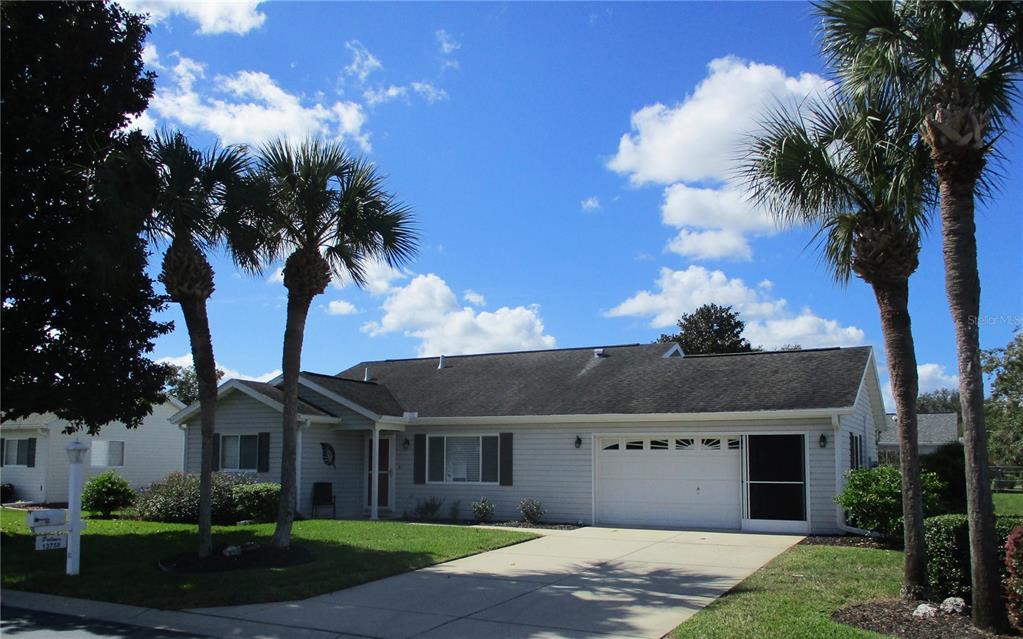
385,472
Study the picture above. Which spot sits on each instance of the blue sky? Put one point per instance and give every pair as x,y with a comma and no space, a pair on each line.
568,165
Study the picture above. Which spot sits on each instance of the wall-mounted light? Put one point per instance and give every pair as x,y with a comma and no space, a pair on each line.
578,441
823,441
405,444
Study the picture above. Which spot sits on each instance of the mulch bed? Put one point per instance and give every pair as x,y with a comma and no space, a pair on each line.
253,556
895,617
31,505
524,524
854,541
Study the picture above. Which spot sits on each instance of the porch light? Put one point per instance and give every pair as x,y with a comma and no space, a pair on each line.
823,441
578,441
405,444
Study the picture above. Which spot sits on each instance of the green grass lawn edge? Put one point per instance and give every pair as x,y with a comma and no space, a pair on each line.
119,559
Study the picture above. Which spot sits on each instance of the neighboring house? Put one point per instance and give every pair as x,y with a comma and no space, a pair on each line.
933,431
35,462
619,435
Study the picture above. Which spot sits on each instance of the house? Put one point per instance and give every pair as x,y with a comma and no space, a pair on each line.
933,431
35,462
618,435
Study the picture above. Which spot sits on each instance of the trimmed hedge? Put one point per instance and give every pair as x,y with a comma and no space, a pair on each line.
947,538
106,493
257,502
873,498
176,499
1014,583
949,464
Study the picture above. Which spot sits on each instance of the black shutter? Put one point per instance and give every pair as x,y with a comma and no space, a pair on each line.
31,452
263,465
852,451
3,450
419,459
216,452
506,459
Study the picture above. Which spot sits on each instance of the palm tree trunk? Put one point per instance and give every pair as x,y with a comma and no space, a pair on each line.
893,304
206,376
962,285
294,334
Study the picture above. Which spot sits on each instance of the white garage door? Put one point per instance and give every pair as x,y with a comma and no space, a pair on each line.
679,481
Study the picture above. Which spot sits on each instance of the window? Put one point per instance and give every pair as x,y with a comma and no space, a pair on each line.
684,444
107,454
658,444
712,444
609,444
734,443
16,452
239,452
855,451
463,459
635,444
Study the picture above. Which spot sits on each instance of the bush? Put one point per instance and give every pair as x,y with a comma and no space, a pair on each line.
6,493
483,510
257,502
873,499
947,538
176,499
949,464
428,508
106,493
532,511
1014,581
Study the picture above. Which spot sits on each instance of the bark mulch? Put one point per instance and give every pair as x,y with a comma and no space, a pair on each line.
894,617
525,524
253,556
855,541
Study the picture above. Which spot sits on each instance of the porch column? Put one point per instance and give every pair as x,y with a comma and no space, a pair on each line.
375,481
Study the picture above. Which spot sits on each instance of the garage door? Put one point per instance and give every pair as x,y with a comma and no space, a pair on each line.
680,481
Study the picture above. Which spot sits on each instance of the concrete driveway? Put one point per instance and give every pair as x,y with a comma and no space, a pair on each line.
587,582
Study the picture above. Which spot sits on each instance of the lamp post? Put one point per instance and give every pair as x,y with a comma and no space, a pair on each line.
75,455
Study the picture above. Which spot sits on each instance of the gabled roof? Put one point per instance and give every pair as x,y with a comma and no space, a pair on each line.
633,379
369,395
266,393
933,429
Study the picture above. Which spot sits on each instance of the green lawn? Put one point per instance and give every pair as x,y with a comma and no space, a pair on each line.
794,595
1009,503
119,559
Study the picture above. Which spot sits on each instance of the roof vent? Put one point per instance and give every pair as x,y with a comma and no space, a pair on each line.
440,362
598,352
410,415
365,375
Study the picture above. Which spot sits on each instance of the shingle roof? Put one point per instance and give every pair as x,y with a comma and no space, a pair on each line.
274,393
369,395
633,379
933,429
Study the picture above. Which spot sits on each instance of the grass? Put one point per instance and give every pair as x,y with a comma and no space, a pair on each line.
794,595
119,559
1008,503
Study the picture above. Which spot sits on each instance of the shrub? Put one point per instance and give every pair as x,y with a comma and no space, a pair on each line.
257,502
873,498
6,493
176,499
947,538
1014,580
107,492
532,511
428,508
949,464
483,510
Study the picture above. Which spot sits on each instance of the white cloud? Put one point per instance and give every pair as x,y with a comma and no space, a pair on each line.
708,245
250,107
277,277
381,95
474,298
697,139
213,16
591,203
143,122
341,307
448,44
379,276
363,62
429,92
150,57
426,308
930,377
229,373
769,323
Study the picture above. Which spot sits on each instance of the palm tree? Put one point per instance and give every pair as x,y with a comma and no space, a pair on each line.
187,191
855,169
327,213
956,66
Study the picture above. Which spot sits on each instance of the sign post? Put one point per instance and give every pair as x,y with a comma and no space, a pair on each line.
75,454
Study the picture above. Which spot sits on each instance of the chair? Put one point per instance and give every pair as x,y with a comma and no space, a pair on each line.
323,495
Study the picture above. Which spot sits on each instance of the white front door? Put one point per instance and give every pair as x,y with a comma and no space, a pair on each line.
677,481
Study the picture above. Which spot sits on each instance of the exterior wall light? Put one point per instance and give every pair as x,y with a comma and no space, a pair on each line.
823,441
405,444
578,441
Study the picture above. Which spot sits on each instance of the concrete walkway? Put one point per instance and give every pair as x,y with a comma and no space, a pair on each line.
590,582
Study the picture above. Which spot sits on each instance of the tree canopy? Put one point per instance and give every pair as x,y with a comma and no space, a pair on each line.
184,385
1004,408
710,329
77,303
